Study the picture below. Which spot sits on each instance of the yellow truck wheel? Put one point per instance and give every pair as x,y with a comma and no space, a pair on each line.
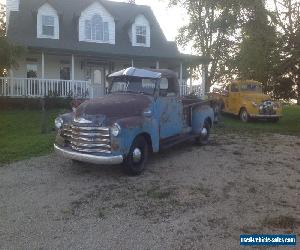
244,116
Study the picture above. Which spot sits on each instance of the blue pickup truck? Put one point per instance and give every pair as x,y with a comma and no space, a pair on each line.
142,113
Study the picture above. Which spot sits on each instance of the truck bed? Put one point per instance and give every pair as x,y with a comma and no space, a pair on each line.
188,102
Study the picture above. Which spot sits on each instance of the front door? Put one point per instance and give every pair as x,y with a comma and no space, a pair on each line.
170,116
233,100
97,77
170,111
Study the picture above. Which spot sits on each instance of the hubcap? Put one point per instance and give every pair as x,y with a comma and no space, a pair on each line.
137,155
244,116
204,132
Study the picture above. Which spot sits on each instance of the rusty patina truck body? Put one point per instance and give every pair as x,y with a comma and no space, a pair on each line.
143,113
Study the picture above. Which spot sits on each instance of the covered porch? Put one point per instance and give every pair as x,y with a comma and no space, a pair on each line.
66,74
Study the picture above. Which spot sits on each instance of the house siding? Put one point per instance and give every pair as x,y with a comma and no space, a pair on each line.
47,10
88,13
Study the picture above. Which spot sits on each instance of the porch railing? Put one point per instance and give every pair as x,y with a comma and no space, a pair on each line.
33,87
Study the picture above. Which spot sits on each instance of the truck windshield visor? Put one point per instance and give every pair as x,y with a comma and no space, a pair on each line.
135,85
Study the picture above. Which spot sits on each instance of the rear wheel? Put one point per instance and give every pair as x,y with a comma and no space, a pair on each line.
136,159
203,139
274,120
244,116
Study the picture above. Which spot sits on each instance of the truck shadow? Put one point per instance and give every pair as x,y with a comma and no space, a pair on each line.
116,171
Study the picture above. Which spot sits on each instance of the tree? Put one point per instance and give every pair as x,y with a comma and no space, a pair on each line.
211,32
258,48
8,52
2,20
286,78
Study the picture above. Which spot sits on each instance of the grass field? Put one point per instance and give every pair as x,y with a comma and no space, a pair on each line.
288,124
21,137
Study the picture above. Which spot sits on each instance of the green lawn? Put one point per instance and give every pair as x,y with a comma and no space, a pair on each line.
288,124
21,137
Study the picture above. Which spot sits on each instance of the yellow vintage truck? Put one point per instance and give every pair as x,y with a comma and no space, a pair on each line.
246,99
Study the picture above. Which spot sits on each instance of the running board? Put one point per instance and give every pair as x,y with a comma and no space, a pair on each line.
174,140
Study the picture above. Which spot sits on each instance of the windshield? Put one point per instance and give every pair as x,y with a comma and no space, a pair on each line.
137,85
252,87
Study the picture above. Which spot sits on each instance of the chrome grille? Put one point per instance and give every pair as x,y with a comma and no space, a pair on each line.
87,139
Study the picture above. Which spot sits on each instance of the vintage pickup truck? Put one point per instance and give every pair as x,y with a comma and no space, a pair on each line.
142,113
246,99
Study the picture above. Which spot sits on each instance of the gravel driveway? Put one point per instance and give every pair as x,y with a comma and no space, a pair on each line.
190,197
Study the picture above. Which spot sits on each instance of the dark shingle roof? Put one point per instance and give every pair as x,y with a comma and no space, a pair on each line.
22,29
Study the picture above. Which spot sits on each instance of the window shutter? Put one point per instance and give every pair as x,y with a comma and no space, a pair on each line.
105,32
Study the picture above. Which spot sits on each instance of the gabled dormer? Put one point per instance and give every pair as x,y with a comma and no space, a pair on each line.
96,25
140,33
47,22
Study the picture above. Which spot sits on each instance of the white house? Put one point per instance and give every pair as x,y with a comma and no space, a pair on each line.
73,44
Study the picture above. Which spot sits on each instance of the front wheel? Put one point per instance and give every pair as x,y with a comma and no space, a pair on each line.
203,139
136,159
244,116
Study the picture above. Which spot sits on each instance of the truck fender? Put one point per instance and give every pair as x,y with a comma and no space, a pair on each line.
139,125
199,115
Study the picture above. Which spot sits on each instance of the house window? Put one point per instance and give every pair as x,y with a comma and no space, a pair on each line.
31,71
96,29
48,25
141,34
65,73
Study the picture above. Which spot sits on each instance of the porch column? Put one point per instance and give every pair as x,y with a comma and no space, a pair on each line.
180,74
157,64
10,73
191,77
43,65
73,68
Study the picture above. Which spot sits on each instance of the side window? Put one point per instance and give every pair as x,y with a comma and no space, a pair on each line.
167,87
48,25
234,88
163,87
64,73
141,34
31,71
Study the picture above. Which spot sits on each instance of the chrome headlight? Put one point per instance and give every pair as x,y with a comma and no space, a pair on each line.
115,129
58,123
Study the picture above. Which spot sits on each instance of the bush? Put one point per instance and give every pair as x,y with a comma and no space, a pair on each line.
8,103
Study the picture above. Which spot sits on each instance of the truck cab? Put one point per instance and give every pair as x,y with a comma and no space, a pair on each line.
246,99
142,113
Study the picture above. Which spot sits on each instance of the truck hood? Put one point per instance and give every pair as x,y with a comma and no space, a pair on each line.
256,97
114,106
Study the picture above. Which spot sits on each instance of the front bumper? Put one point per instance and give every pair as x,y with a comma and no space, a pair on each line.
94,159
265,116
